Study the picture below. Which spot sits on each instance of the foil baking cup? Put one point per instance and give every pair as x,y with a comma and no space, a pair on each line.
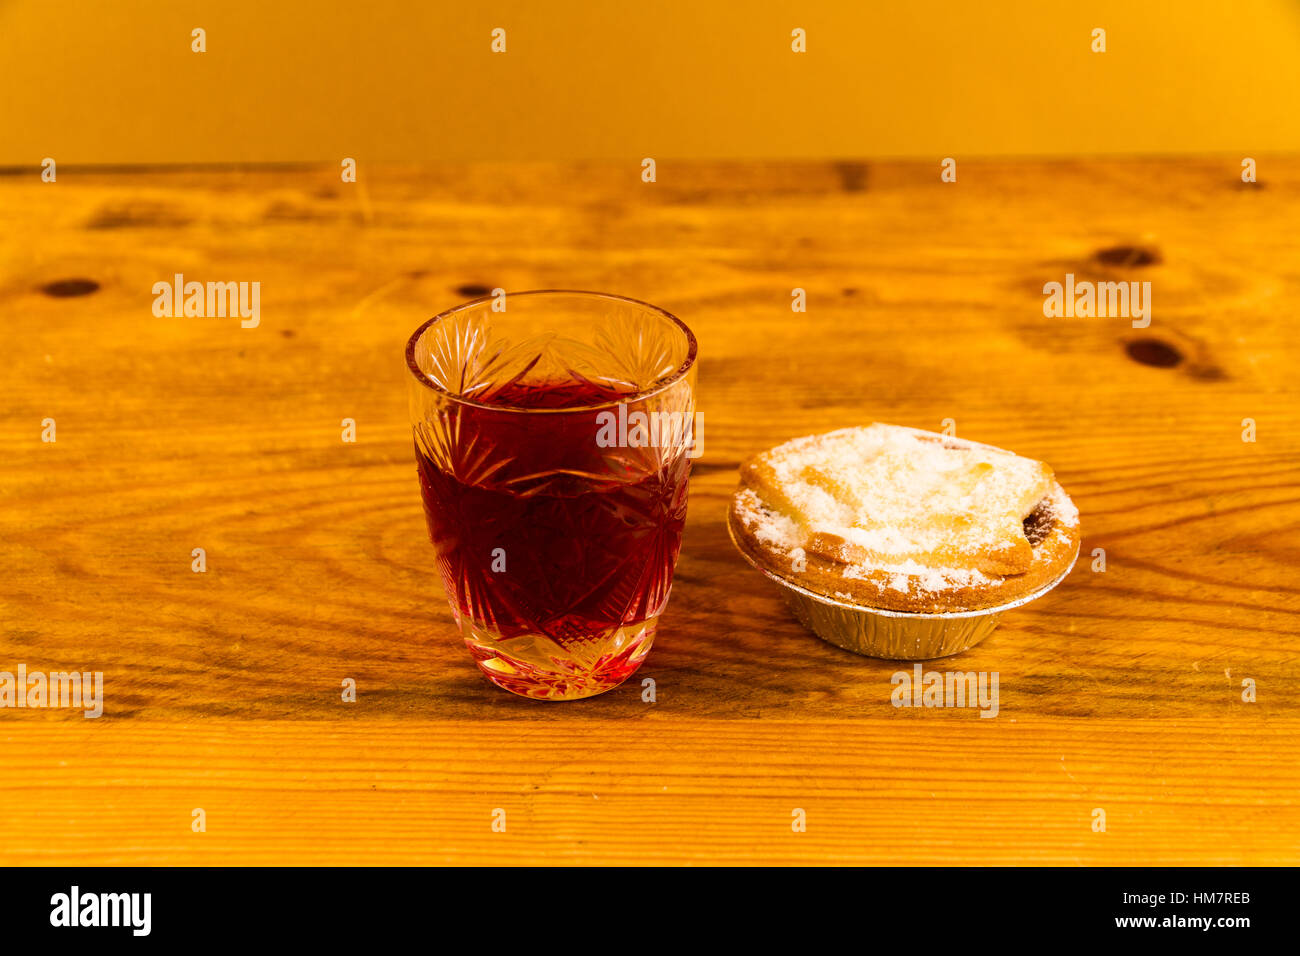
893,635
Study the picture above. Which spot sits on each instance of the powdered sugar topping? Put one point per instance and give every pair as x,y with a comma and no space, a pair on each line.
912,510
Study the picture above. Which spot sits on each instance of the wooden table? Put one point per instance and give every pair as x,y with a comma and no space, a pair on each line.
1121,691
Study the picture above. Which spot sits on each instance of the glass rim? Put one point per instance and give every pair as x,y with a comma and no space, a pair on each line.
692,348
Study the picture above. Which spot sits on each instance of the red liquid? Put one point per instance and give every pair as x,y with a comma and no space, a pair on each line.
588,536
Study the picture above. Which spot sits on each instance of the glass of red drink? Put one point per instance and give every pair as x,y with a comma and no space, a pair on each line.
554,434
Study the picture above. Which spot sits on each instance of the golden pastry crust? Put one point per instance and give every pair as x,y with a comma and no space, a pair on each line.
904,520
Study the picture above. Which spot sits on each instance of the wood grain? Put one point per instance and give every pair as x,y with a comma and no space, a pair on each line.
874,791
1122,689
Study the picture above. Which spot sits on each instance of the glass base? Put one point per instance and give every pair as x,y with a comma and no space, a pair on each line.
534,665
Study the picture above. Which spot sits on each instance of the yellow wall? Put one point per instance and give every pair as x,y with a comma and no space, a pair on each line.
103,82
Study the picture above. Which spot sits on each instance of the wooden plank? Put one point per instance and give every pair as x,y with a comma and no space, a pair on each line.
925,303
659,791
